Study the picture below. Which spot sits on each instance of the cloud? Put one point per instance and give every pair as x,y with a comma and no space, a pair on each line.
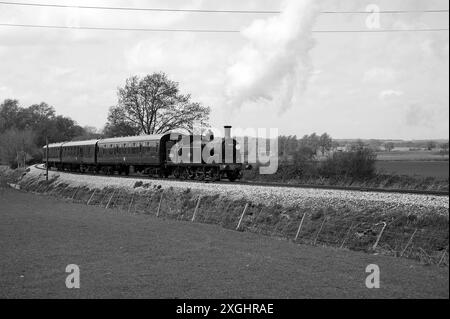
379,75
275,61
389,93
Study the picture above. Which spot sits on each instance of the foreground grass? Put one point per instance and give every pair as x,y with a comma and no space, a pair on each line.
136,255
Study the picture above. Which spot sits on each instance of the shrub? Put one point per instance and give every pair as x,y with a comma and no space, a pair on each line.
359,163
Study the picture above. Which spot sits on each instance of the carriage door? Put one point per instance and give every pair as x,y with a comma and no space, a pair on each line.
170,158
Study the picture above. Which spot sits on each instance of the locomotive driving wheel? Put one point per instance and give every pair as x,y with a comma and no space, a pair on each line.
215,174
185,173
200,174
232,176
177,172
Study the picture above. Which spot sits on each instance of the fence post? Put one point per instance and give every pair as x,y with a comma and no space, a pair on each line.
76,191
90,198
159,205
299,227
346,235
45,190
242,216
443,255
196,208
320,229
62,190
147,203
118,199
107,205
408,243
26,185
131,203
379,235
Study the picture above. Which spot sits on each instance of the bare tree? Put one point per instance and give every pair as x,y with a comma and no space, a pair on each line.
325,143
431,145
153,105
444,148
389,146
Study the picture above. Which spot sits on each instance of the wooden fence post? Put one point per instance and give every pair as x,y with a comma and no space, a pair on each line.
379,235
300,226
443,256
76,191
147,203
46,188
90,198
320,229
196,208
61,191
131,203
346,235
242,216
408,243
107,205
159,205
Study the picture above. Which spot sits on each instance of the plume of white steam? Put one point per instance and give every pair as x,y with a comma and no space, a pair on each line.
275,62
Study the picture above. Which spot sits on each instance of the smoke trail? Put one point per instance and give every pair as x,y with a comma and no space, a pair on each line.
275,63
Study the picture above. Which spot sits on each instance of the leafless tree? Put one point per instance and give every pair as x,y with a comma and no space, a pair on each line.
153,105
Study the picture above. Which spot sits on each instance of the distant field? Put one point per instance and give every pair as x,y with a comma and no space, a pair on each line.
411,156
438,169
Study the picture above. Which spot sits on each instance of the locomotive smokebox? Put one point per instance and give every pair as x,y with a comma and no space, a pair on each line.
227,131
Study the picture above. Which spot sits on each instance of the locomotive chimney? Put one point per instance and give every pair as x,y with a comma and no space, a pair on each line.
227,131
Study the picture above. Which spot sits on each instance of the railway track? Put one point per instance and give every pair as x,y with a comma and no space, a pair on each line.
270,184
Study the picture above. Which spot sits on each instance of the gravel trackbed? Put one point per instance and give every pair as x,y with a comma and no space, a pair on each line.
267,195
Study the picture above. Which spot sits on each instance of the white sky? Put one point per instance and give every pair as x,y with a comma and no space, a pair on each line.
385,85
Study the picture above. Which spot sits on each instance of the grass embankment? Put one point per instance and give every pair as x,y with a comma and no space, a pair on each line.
138,256
416,232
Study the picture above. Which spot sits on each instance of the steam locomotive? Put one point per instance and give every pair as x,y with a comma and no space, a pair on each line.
172,154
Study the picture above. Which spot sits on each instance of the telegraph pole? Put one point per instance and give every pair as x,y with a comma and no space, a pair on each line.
46,159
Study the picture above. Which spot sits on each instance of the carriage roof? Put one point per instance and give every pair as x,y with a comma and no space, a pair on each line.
80,143
133,139
53,145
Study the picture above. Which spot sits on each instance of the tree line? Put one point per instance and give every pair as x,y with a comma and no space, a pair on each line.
24,130
152,104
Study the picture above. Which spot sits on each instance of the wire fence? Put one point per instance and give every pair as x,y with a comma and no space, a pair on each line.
298,225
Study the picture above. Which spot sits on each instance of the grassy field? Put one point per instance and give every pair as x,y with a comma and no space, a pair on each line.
126,255
437,169
420,155
419,163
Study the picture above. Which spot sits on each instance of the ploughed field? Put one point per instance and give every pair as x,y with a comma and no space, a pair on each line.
138,255
420,168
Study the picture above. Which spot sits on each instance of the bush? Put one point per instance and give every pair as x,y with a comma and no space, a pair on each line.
359,163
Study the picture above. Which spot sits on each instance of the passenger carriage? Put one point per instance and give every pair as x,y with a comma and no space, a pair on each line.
79,155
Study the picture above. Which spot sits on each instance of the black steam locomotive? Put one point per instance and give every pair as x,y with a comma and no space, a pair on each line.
172,154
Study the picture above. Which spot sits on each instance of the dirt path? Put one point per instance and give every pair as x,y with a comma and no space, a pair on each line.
122,256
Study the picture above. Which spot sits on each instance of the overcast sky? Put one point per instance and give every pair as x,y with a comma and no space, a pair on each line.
275,73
